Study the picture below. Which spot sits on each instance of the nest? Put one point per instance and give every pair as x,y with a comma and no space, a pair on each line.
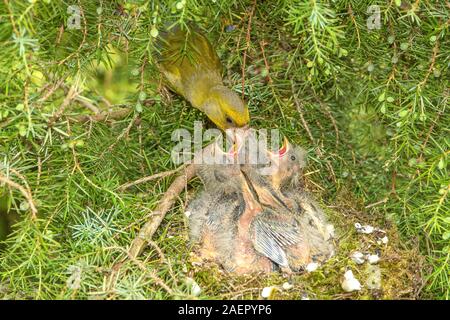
246,226
256,216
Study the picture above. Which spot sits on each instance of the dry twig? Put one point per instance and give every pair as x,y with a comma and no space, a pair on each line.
118,114
150,178
300,111
25,192
166,203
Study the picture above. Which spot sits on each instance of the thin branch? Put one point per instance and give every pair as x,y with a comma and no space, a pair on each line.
141,266
166,203
118,114
87,104
51,91
376,203
433,61
124,133
150,178
300,111
25,193
262,43
67,100
247,45
352,17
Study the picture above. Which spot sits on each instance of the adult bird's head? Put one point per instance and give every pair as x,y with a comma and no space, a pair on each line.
225,108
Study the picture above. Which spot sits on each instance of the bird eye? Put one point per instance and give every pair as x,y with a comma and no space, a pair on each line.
293,158
229,120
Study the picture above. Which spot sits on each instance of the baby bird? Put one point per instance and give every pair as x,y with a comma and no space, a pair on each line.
217,167
276,172
248,220
193,70
290,230
220,217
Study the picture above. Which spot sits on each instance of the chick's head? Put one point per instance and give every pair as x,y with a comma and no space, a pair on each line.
219,169
287,164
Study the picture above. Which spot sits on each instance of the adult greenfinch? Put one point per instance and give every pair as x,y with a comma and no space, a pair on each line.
192,69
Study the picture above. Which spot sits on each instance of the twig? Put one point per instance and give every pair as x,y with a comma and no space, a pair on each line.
87,104
352,17
163,258
25,193
393,182
262,43
149,228
151,274
103,116
22,177
69,97
39,173
124,133
247,45
52,90
60,33
150,178
10,13
300,111
376,203
433,61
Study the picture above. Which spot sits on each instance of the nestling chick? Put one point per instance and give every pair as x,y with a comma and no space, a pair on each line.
221,215
291,230
282,171
217,224
248,221
218,169
193,70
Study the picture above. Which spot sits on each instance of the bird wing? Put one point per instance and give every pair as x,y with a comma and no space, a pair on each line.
268,247
271,237
182,53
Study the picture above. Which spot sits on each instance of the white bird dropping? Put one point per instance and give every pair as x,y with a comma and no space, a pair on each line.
350,283
287,286
373,258
194,287
267,292
312,266
358,257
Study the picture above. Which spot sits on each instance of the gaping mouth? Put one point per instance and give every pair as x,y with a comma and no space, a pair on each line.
237,136
230,153
233,151
283,149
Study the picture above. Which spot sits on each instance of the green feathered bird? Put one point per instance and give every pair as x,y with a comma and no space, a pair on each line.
193,70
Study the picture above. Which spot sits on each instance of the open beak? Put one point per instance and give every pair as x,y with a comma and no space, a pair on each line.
237,136
284,148
282,151
230,153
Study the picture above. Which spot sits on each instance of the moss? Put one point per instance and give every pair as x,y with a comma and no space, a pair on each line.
400,266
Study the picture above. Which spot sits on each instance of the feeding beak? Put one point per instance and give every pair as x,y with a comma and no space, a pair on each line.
231,153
